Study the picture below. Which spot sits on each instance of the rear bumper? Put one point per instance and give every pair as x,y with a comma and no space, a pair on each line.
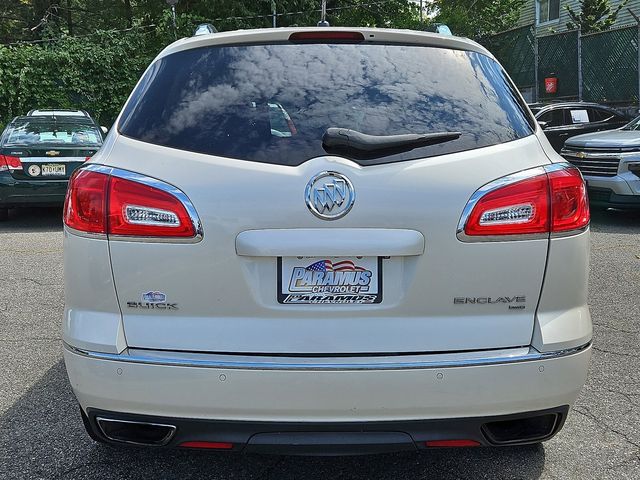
331,438
327,393
17,193
606,197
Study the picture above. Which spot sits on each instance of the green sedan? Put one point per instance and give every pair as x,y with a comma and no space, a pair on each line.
38,154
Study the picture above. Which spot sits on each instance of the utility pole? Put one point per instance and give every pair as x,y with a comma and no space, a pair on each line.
421,11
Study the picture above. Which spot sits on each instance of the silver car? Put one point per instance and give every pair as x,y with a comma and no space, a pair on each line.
391,258
610,163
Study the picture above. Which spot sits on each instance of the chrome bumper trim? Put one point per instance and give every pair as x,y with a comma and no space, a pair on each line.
397,362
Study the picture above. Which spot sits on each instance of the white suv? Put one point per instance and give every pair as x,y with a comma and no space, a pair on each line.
326,241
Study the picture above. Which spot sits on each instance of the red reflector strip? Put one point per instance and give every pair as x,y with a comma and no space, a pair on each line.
452,443
326,37
209,445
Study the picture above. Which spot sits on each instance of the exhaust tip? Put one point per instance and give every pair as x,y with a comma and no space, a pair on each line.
136,433
522,430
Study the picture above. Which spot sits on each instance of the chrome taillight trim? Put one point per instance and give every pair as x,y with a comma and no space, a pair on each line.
502,182
151,182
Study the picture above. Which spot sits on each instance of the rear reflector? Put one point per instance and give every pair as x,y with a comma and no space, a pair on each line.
554,201
208,445
99,203
452,443
8,162
326,37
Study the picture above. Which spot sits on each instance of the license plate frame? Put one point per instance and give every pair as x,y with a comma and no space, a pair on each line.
290,294
53,169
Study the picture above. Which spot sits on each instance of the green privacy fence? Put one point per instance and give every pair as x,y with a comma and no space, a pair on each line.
610,65
558,57
515,50
599,67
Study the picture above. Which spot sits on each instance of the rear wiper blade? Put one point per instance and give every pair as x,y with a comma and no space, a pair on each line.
345,139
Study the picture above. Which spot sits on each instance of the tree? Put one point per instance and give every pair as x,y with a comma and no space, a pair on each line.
24,20
594,16
477,18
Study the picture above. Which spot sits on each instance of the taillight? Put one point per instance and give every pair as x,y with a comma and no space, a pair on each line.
85,203
141,210
569,202
535,202
102,202
518,208
7,162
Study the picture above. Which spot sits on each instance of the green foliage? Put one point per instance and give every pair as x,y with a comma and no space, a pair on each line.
477,18
95,74
83,58
594,16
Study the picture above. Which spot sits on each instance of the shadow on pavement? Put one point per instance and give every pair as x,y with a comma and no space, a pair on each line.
41,436
33,219
615,221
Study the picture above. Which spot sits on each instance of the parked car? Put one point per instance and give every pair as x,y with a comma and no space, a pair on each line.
38,154
64,112
561,121
610,163
405,269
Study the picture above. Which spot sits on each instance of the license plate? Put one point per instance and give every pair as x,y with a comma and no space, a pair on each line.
54,169
329,280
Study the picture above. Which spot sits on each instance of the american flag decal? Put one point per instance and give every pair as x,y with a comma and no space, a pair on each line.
329,266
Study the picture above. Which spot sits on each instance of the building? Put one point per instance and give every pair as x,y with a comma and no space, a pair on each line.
551,16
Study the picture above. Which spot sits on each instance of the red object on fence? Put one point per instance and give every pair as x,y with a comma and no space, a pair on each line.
551,85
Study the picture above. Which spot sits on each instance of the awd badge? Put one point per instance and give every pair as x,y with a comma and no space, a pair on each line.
154,297
153,301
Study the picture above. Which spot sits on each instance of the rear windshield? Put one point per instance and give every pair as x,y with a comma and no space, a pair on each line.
35,132
273,103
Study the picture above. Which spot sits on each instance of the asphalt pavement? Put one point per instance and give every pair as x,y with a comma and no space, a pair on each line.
41,434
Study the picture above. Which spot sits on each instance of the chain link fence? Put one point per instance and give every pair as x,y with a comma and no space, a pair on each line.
515,51
610,66
558,57
599,67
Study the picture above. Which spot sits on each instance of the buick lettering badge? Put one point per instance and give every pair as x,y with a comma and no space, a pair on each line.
329,195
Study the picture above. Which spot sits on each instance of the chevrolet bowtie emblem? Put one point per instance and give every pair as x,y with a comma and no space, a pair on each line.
52,153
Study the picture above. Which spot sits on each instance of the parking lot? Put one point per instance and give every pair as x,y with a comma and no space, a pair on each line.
41,434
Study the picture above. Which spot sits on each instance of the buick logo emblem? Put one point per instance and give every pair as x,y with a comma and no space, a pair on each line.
329,195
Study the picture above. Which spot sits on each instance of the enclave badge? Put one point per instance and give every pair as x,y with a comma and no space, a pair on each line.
329,195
